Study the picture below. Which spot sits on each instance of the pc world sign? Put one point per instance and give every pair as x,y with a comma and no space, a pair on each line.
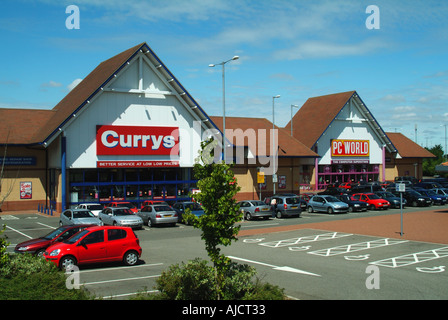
350,148
136,140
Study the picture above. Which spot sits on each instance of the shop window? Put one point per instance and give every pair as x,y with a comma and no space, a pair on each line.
90,175
131,175
132,192
145,175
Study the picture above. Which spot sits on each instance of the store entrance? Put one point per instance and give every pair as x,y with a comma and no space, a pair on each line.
338,173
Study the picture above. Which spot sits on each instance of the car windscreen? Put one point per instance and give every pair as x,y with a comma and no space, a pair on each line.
82,214
294,200
76,237
162,208
258,203
332,199
373,197
53,234
95,207
123,212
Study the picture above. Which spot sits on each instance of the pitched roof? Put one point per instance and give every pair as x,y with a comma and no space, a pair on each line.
407,148
315,116
38,127
18,126
287,146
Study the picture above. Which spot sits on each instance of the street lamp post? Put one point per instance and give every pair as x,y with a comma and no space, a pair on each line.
274,153
446,150
224,102
293,106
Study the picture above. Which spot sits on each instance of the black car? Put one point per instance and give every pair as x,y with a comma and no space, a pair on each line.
393,199
414,198
353,205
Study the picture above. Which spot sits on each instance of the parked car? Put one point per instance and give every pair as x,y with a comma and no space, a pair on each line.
353,205
428,185
255,209
158,214
94,245
37,246
346,185
436,198
393,199
441,191
78,216
149,202
194,207
129,205
414,198
327,203
286,205
95,208
120,216
372,200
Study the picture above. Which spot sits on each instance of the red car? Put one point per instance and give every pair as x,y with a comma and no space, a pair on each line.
38,246
346,185
374,201
129,205
94,245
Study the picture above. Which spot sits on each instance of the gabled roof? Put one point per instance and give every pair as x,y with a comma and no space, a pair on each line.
408,148
50,122
287,146
317,114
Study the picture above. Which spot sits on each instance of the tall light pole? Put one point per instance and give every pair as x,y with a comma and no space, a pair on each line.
274,175
224,102
446,150
293,106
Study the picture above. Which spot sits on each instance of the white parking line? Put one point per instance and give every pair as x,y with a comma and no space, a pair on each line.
125,267
45,225
127,294
25,235
119,280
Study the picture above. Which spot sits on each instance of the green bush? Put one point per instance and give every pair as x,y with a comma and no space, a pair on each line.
26,277
196,280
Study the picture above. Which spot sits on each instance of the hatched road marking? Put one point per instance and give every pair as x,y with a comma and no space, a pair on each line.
412,258
295,241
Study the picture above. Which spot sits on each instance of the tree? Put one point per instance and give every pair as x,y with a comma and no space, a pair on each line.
218,187
430,163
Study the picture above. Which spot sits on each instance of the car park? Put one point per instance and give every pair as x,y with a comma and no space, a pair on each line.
353,205
393,199
436,198
95,208
158,214
37,246
120,216
181,207
97,244
284,205
78,216
372,200
414,198
253,209
327,203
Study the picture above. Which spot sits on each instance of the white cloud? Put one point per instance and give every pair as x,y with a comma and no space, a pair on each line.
73,84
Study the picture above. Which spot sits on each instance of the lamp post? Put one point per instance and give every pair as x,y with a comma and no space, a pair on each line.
293,106
224,102
274,175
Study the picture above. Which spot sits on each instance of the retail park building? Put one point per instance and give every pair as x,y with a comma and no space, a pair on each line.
130,131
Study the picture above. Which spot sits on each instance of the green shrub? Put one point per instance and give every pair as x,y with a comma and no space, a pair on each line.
196,280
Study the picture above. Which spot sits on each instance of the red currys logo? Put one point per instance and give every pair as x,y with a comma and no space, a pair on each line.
135,140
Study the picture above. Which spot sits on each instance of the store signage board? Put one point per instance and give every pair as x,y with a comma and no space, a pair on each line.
350,148
137,164
136,140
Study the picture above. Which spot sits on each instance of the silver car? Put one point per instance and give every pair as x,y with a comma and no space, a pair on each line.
327,203
255,209
120,216
78,216
158,214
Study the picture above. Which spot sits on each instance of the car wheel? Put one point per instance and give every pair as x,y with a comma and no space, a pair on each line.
130,258
350,209
114,223
330,210
248,216
310,209
279,215
150,222
40,253
60,223
67,262
414,203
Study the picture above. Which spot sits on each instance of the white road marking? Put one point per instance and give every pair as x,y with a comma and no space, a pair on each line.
25,235
305,239
412,258
119,280
285,268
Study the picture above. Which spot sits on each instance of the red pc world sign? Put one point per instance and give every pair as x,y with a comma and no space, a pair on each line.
136,140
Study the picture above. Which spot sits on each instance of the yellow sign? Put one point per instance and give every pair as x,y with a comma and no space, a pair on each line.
260,177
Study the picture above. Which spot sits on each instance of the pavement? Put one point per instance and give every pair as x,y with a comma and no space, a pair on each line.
425,226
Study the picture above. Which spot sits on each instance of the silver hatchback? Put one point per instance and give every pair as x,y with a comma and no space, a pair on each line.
120,216
158,214
255,209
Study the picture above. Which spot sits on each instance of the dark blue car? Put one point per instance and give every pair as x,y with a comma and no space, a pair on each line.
436,198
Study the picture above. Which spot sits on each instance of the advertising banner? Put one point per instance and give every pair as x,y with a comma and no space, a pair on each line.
350,148
136,140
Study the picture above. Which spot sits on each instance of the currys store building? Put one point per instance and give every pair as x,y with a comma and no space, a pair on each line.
128,132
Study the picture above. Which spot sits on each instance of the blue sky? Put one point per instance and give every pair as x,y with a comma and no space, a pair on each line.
295,48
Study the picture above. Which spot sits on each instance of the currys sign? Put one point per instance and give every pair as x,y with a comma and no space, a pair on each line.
136,140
